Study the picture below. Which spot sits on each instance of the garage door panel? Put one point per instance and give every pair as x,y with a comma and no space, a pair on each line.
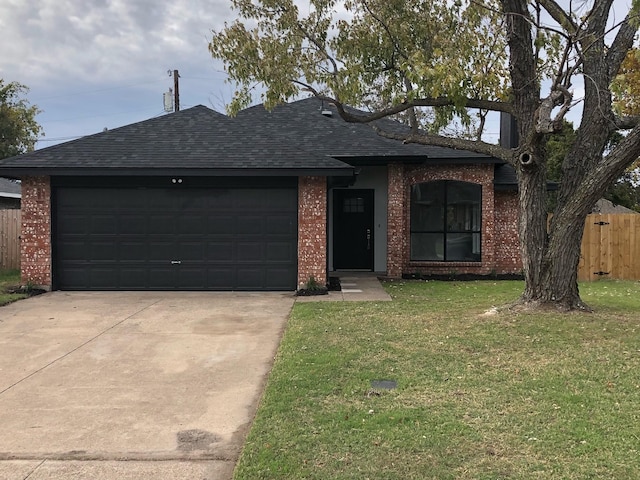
250,252
161,277
285,200
133,277
219,200
168,239
191,251
194,224
162,224
192,278
220,252
73,224
250,224
104,251
278,278
104,278
132,224
104,224
221,278
75,277
279,252
220,225
279,224
132,250
71,250
250,278
162,251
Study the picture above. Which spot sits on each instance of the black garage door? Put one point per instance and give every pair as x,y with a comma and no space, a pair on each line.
175,238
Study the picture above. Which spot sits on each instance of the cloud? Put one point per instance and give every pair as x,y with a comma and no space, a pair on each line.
69,51
94,41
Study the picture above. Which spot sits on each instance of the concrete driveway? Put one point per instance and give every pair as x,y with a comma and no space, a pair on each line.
133,385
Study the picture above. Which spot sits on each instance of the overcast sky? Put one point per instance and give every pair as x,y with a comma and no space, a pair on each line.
95,64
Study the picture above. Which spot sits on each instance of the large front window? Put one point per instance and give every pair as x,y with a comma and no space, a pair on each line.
446,221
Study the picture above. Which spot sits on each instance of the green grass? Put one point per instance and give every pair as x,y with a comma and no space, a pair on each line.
517,396
9,278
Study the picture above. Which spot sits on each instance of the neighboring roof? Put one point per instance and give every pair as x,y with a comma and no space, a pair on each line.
605,206
197,140
10,189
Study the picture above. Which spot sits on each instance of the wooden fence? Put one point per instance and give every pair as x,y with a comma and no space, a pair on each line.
610,247
9,239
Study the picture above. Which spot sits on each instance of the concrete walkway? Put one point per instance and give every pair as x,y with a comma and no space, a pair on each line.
133,386
356,287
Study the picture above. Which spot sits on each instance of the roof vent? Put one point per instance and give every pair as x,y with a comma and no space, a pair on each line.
325,111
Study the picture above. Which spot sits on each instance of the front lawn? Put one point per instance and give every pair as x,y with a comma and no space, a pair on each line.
478,396
9,279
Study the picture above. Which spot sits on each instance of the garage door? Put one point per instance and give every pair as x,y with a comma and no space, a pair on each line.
175,239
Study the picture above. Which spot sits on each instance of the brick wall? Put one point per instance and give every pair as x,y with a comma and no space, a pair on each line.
35,244
508,259
495,228
312,229
397,212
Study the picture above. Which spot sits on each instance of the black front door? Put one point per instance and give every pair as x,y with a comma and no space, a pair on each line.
353,229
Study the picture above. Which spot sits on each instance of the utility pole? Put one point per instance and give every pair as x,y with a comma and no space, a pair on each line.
176,76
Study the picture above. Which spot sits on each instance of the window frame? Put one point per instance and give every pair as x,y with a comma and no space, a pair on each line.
445,231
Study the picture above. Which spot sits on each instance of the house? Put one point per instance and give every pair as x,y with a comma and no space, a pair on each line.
10,193
196,200
605,206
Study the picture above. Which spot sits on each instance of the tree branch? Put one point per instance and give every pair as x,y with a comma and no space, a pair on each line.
522,63
423,138
396,46
363,117
559,15
621,44
627,122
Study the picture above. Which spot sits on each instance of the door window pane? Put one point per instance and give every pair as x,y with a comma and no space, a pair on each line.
353,205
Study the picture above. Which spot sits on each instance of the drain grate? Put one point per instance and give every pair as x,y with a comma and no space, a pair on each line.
384,384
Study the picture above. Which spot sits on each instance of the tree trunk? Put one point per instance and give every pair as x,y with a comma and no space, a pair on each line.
550,260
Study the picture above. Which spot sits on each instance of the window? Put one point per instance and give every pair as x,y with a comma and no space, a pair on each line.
446,221
353,205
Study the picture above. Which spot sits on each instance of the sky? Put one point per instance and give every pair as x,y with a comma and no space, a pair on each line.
96,64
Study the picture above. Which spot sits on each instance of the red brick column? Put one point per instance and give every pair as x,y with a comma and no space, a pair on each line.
508,258
312,229
35,244
397,241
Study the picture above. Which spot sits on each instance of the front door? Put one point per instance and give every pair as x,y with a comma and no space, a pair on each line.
353,229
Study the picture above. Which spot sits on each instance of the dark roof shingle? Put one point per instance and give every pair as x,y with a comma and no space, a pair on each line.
294,138
197,138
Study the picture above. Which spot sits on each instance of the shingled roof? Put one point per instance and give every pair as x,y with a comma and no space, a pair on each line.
197,140
303,124
292,139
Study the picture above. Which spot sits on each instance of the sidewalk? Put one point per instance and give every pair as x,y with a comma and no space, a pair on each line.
356,287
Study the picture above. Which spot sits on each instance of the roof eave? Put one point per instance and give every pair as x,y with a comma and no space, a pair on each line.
158,172
415,160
